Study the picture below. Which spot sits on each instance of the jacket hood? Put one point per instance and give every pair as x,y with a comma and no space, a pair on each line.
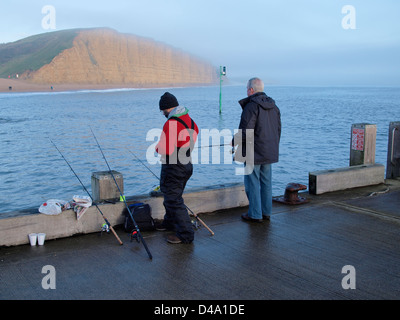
261,99
178,111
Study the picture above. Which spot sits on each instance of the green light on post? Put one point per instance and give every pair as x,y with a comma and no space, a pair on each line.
222,72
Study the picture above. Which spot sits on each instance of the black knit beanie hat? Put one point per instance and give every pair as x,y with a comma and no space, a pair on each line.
167,101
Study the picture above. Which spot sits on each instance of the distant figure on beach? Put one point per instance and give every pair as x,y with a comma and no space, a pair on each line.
261,121
176,143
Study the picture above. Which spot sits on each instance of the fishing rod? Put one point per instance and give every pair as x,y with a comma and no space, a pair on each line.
232,151
195,215
137,233
105,219
198,147
214,145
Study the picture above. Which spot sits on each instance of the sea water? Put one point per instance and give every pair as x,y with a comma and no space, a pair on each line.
316,125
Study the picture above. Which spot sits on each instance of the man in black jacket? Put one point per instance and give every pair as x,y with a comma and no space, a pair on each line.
258,139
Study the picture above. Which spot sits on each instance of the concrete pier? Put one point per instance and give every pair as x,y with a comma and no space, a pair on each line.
304,252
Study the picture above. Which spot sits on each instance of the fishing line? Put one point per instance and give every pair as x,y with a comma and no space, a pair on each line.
123,198
195,215
105,219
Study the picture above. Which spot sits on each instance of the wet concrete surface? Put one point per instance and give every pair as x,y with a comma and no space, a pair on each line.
299,254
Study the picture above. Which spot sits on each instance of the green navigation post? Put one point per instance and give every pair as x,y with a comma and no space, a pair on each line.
222,72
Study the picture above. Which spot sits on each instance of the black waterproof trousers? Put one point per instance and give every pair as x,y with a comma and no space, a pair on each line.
172,183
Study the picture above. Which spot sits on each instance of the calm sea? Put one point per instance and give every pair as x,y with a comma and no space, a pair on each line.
316,124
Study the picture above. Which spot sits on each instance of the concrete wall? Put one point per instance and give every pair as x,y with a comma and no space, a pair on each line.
15,230
345,178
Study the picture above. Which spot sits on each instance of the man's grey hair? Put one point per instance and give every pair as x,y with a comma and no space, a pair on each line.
257,84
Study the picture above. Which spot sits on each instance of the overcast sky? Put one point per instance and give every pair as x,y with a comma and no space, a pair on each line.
286,42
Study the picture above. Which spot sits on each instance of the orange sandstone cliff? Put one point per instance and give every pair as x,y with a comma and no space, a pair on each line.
104,56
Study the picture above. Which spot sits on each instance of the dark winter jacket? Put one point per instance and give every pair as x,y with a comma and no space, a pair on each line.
261,114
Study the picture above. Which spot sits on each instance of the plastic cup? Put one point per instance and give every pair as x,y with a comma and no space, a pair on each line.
41,237
33,238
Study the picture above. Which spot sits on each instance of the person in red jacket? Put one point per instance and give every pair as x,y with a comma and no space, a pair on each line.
176,143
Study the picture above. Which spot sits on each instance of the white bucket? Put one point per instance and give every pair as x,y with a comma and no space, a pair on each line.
41,237
33,238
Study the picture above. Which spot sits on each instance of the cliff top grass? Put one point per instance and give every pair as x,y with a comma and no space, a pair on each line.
34,52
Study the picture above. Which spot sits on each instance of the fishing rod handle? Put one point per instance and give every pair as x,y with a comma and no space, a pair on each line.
145,246
202,222
115,234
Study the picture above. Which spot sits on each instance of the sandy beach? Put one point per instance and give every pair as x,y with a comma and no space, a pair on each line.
17,85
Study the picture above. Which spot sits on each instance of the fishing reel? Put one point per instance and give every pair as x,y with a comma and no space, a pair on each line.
156,192
135,236
195,224
105,228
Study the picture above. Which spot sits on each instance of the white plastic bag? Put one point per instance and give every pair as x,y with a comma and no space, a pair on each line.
52,207
82,201
81,204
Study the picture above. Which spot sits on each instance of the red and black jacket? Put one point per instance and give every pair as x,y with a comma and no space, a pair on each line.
177,139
